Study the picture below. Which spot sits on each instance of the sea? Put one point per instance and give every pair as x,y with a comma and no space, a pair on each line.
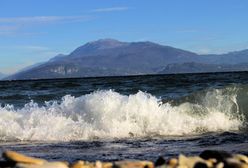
125,118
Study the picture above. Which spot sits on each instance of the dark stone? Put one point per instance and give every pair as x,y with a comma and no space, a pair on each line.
146,166
200,165
160,161
7,164
220,156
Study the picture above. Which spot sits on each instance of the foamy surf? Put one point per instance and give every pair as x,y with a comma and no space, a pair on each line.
108,114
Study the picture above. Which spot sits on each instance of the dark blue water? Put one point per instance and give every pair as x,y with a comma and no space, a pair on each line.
116,118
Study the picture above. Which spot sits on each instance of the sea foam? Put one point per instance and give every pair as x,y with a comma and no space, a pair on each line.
107,114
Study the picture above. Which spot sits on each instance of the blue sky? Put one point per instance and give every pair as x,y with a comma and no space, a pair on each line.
34,31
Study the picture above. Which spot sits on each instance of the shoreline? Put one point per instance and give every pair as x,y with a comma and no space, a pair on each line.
207,159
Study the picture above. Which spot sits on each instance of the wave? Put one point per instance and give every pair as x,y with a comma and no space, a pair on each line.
107,114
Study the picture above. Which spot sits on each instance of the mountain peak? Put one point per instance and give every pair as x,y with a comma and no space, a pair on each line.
105,40
105,43
95,46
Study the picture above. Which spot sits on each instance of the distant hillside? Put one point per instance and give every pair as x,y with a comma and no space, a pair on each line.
193,67
108,57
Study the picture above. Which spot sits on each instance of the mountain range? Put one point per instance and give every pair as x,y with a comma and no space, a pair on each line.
109,57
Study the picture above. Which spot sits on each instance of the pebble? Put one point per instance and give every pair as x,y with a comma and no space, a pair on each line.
78,164
97,164
44,165
133,164
193,162
173,162
207,159
160,161
241,158
20,158
220,156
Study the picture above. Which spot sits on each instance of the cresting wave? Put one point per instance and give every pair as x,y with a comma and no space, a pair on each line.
108,114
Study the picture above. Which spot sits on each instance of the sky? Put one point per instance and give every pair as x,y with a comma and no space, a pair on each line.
33,31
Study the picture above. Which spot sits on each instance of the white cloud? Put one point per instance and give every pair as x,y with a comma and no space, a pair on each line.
113,9
34,48
15,26
43,19
6,30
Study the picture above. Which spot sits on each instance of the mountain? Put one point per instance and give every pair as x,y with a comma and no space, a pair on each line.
236,57
30,67
109,57
193,67
57,57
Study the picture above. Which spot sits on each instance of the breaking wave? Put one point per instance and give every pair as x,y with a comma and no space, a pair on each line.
108,114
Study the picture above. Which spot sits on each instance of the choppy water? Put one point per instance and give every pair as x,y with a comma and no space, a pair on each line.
115,118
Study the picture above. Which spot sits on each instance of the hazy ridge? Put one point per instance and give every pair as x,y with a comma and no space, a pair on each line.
109,57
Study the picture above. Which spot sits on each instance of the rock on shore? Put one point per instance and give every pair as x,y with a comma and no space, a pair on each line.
207,159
